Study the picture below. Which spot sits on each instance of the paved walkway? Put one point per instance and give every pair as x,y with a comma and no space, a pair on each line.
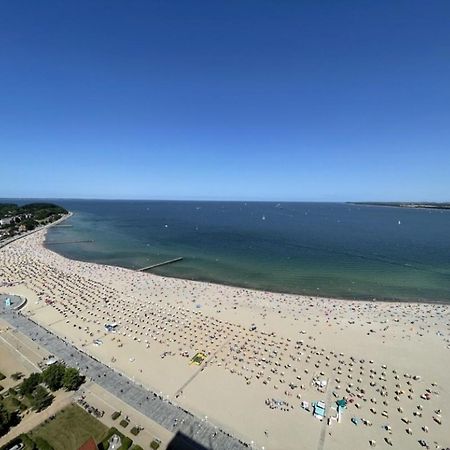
160,410
101,399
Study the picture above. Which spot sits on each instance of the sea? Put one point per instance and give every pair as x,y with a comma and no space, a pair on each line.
318,249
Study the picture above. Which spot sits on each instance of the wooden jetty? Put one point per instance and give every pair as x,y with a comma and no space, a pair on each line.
69,242
164,263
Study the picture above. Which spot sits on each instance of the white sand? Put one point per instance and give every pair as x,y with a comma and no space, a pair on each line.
363,349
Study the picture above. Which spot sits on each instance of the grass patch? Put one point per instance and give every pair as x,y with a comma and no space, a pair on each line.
42,444
25,401
12,404
27,442
70,429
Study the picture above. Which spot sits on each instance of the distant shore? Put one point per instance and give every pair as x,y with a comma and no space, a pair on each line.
412,205
27,233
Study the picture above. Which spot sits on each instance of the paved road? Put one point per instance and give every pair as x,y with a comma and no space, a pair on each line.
171,417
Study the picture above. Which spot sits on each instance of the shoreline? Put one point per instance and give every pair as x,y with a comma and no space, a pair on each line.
41,228
238,286
346,299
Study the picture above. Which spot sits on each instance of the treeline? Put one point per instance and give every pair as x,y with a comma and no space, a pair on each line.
55,377
39,211
33,392
18,219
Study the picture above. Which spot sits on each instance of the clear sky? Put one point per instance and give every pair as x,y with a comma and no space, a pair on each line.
277,100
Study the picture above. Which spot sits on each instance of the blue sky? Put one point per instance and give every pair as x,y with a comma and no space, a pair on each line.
277,100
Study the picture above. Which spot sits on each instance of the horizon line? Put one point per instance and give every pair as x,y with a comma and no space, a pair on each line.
221,200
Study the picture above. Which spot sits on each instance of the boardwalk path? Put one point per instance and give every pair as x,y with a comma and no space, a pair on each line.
148,403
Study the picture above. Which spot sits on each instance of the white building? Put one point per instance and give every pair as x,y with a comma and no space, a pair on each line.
6,220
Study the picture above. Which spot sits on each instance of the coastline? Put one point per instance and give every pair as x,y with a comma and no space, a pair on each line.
44,227
424,205
296,294
250,288
258,344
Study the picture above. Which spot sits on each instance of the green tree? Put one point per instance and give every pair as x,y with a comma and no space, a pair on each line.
41,398
17,376
30,224
29,384
5,419
53,375
72,379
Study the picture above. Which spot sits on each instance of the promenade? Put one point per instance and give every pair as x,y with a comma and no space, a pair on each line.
163,412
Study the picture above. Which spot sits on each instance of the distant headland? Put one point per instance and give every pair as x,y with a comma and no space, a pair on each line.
16,220
425,205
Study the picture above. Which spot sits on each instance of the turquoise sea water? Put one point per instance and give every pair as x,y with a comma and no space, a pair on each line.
312,248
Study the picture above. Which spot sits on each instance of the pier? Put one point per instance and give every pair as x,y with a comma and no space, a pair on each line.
164,263
69,242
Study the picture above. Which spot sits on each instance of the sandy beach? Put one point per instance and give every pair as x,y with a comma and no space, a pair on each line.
267,356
